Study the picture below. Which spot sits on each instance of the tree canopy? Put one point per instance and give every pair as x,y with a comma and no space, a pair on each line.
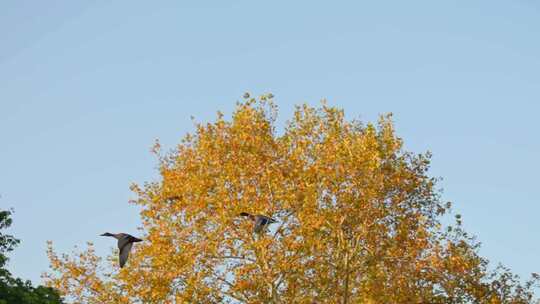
359,221
15,290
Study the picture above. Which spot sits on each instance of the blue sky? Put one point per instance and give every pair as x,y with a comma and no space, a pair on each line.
87,86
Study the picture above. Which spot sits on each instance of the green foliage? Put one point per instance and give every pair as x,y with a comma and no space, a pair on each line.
15,290
7,242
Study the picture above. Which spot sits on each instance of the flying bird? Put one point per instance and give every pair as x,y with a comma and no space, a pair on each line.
125,242
260,222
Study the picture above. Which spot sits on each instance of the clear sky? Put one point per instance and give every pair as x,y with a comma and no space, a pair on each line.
87,86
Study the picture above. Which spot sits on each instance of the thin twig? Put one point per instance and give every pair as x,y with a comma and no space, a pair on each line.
231,257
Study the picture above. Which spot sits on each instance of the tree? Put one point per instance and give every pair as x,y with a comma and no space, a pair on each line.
359,222
15,290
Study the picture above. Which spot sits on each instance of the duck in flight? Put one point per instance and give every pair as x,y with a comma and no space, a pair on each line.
260,222
125,242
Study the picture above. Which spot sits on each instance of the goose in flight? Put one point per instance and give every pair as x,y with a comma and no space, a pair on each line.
260,222
125,242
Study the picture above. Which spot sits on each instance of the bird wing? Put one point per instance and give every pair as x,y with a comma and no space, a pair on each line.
123,240
124,253
270,220
260,223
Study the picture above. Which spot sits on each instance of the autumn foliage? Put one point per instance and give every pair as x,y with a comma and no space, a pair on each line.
359,221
